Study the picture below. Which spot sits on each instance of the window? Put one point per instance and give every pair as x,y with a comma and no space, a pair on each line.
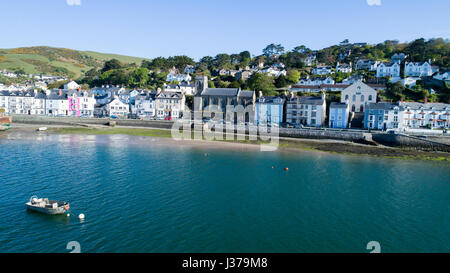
354,98
362,98
370,97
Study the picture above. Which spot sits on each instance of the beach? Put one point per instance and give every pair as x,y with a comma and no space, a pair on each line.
288,144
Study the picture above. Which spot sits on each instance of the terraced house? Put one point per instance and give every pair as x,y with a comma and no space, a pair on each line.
169,105
117,108
426,115
388,70
269,110
383,116
308,111
420,69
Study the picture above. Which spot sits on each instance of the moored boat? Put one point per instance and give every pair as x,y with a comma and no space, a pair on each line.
5,122
44,205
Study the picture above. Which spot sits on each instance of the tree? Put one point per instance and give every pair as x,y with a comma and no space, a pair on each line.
180,62
301,49
261,82
112,64
293,76
222,61
273,50
139,77
281,82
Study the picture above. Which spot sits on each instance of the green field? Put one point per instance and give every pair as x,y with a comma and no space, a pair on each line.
57,61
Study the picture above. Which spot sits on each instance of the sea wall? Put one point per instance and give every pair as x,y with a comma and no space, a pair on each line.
44,120
405,141
353,136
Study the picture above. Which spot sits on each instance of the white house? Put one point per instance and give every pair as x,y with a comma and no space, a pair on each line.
57,103
316,81
358,94
178,77
71,85
410,81
189,69
145,106
364,64
274,71
185,88
309,111
344,68
117,108
309,60
418,69
388,70
169,105
420,115
444,76
40,100
322,70
398,57
352,79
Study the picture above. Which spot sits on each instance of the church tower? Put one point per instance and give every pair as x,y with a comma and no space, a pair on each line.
201,84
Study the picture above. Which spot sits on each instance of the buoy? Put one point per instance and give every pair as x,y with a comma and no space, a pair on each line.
272,167
68,214
286,169
81,216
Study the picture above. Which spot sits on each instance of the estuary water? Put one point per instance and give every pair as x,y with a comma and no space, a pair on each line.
152,195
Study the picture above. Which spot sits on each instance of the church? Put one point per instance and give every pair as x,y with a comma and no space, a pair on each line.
223,101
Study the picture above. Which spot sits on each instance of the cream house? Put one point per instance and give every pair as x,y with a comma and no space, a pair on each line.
358,95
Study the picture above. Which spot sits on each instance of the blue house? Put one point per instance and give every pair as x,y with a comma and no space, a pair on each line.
383,116
269,110
339,115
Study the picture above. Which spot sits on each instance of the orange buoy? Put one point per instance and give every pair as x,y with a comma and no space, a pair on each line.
286,169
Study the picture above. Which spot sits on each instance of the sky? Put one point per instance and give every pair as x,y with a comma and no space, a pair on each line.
150,28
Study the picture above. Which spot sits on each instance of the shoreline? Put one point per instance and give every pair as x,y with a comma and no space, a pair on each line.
290,144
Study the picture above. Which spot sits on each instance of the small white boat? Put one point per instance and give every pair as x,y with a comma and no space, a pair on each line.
43,205
42,129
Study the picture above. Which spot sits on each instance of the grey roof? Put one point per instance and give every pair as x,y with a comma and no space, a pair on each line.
426,106
169,95
383,106
246,94
338,105
270,99
231,92
307,100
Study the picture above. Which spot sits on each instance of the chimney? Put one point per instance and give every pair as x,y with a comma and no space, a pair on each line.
401,99
323,95
260,94
60,92
426,99
79,89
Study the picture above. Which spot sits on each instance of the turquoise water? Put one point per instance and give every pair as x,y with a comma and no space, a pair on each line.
140,195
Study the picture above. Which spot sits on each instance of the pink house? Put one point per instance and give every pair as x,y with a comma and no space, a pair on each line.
74,106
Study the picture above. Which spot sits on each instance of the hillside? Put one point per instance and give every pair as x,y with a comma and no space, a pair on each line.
57,61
